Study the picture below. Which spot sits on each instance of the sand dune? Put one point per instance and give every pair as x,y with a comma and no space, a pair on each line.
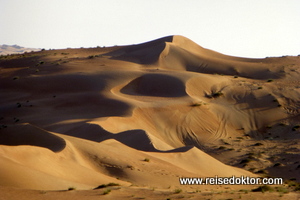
145,115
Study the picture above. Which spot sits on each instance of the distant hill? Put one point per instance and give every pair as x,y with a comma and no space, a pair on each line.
14,49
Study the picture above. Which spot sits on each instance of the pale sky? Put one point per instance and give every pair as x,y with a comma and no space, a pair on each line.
245,28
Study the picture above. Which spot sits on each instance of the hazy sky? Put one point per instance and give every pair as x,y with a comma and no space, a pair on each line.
247,28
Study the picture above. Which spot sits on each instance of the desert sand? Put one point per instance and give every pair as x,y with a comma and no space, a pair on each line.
141,116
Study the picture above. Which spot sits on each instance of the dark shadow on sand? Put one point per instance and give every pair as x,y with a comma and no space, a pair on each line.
136,139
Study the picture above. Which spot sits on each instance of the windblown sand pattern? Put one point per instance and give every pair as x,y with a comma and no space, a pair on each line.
85,117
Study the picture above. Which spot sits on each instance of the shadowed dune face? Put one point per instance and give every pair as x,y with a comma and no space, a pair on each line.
129,114
33,136
158,85
61,97
146,53
136,139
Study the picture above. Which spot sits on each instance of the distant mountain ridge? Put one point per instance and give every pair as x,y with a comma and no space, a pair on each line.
15,49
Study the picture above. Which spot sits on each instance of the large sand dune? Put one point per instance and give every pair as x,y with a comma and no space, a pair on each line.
144,115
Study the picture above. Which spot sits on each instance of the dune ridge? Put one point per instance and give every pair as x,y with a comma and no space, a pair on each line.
144,115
